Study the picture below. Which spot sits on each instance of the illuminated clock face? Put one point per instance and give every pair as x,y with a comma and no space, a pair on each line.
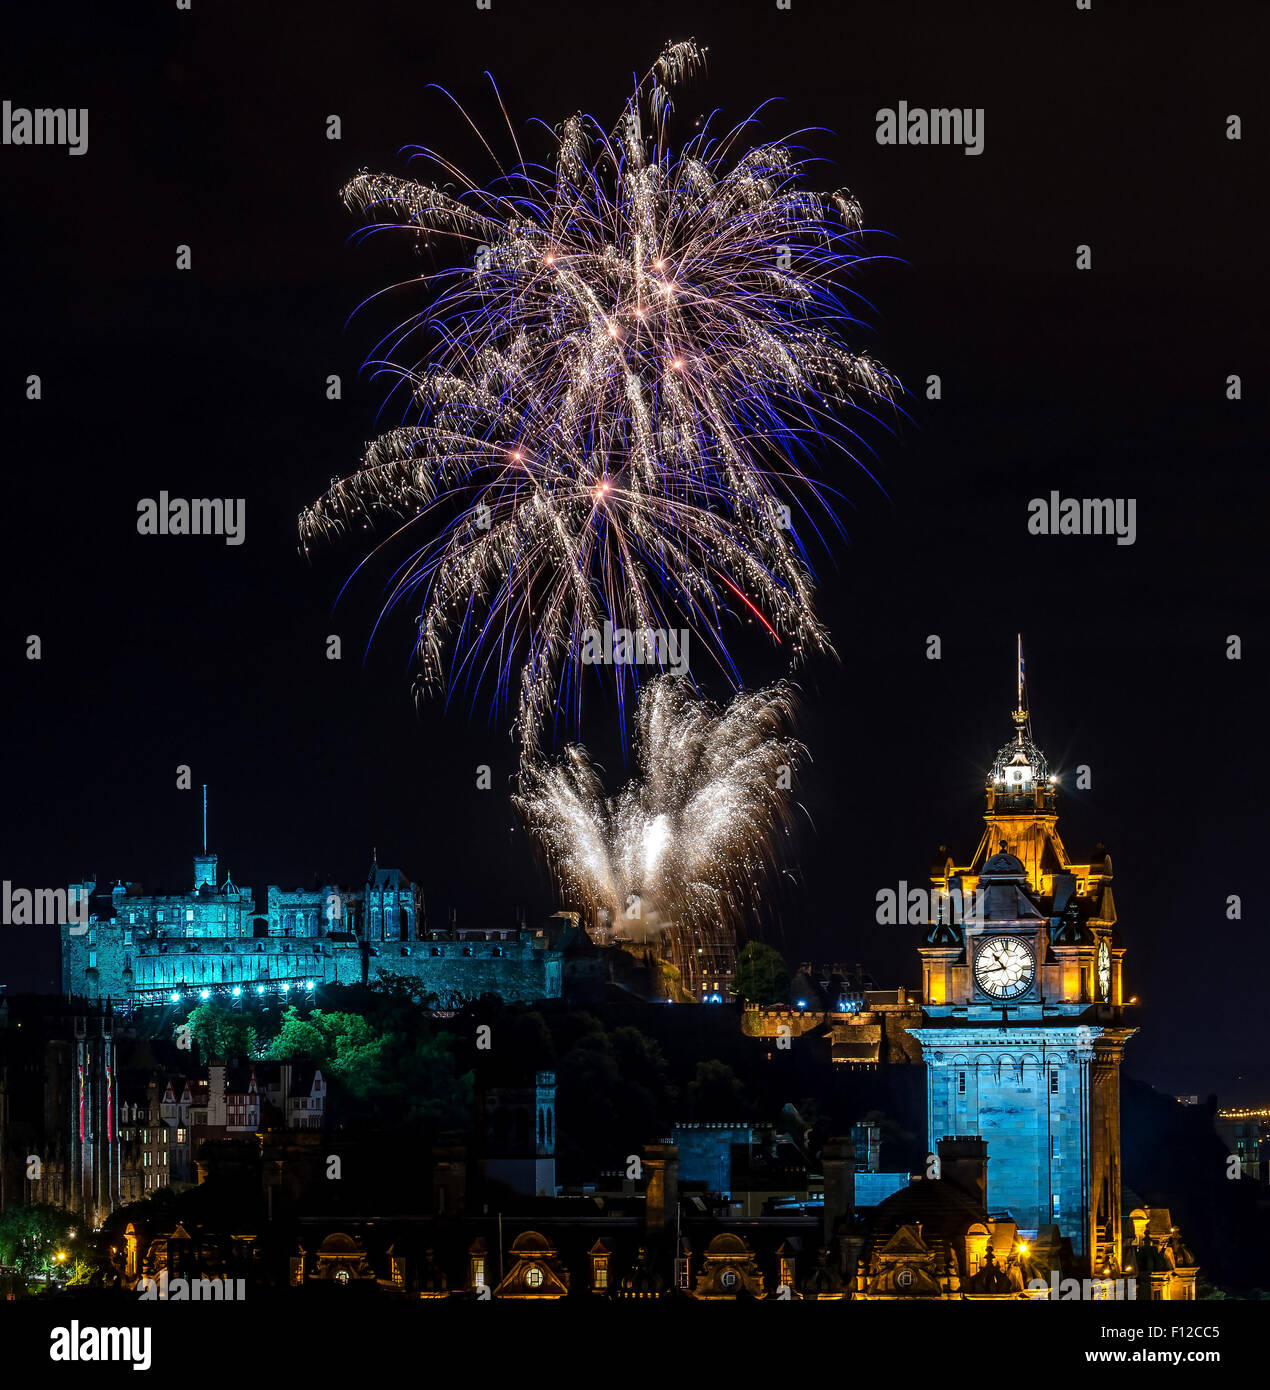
1005,967
1104,969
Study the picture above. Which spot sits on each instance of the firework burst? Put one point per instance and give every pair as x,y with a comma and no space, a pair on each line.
679,857
620,396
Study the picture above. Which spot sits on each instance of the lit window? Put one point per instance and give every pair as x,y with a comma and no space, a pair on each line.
189,914
533,1277
159,915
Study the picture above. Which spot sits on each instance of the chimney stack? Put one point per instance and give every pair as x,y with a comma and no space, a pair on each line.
838,1161
963,1161
661,1197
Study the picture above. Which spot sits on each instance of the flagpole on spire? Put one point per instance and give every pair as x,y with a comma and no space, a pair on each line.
1022,719
204,817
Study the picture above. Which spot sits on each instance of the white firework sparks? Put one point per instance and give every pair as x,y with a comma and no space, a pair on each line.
624,388
690,843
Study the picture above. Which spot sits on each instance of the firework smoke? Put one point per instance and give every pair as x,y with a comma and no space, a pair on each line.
620,392
682,853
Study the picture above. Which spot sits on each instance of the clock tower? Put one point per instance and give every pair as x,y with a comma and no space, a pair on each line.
1024,1020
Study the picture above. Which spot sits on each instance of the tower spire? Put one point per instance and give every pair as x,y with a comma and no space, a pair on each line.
1022,718
204,817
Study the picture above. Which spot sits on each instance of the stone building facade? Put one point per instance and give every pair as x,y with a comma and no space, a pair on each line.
59,1130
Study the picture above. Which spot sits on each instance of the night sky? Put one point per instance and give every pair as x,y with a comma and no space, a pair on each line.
208,128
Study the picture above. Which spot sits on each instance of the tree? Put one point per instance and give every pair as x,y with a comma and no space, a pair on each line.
438,1095
589,1094
761,974
716,1093
297,1037
220,1032
32,1238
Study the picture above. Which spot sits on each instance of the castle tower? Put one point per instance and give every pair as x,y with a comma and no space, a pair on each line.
1024,1021
204,864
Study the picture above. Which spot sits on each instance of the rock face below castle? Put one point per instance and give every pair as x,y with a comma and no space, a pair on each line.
144,949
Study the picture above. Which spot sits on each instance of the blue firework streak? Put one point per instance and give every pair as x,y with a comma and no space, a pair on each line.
626,388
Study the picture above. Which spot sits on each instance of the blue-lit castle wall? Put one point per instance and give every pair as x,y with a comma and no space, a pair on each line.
144,948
